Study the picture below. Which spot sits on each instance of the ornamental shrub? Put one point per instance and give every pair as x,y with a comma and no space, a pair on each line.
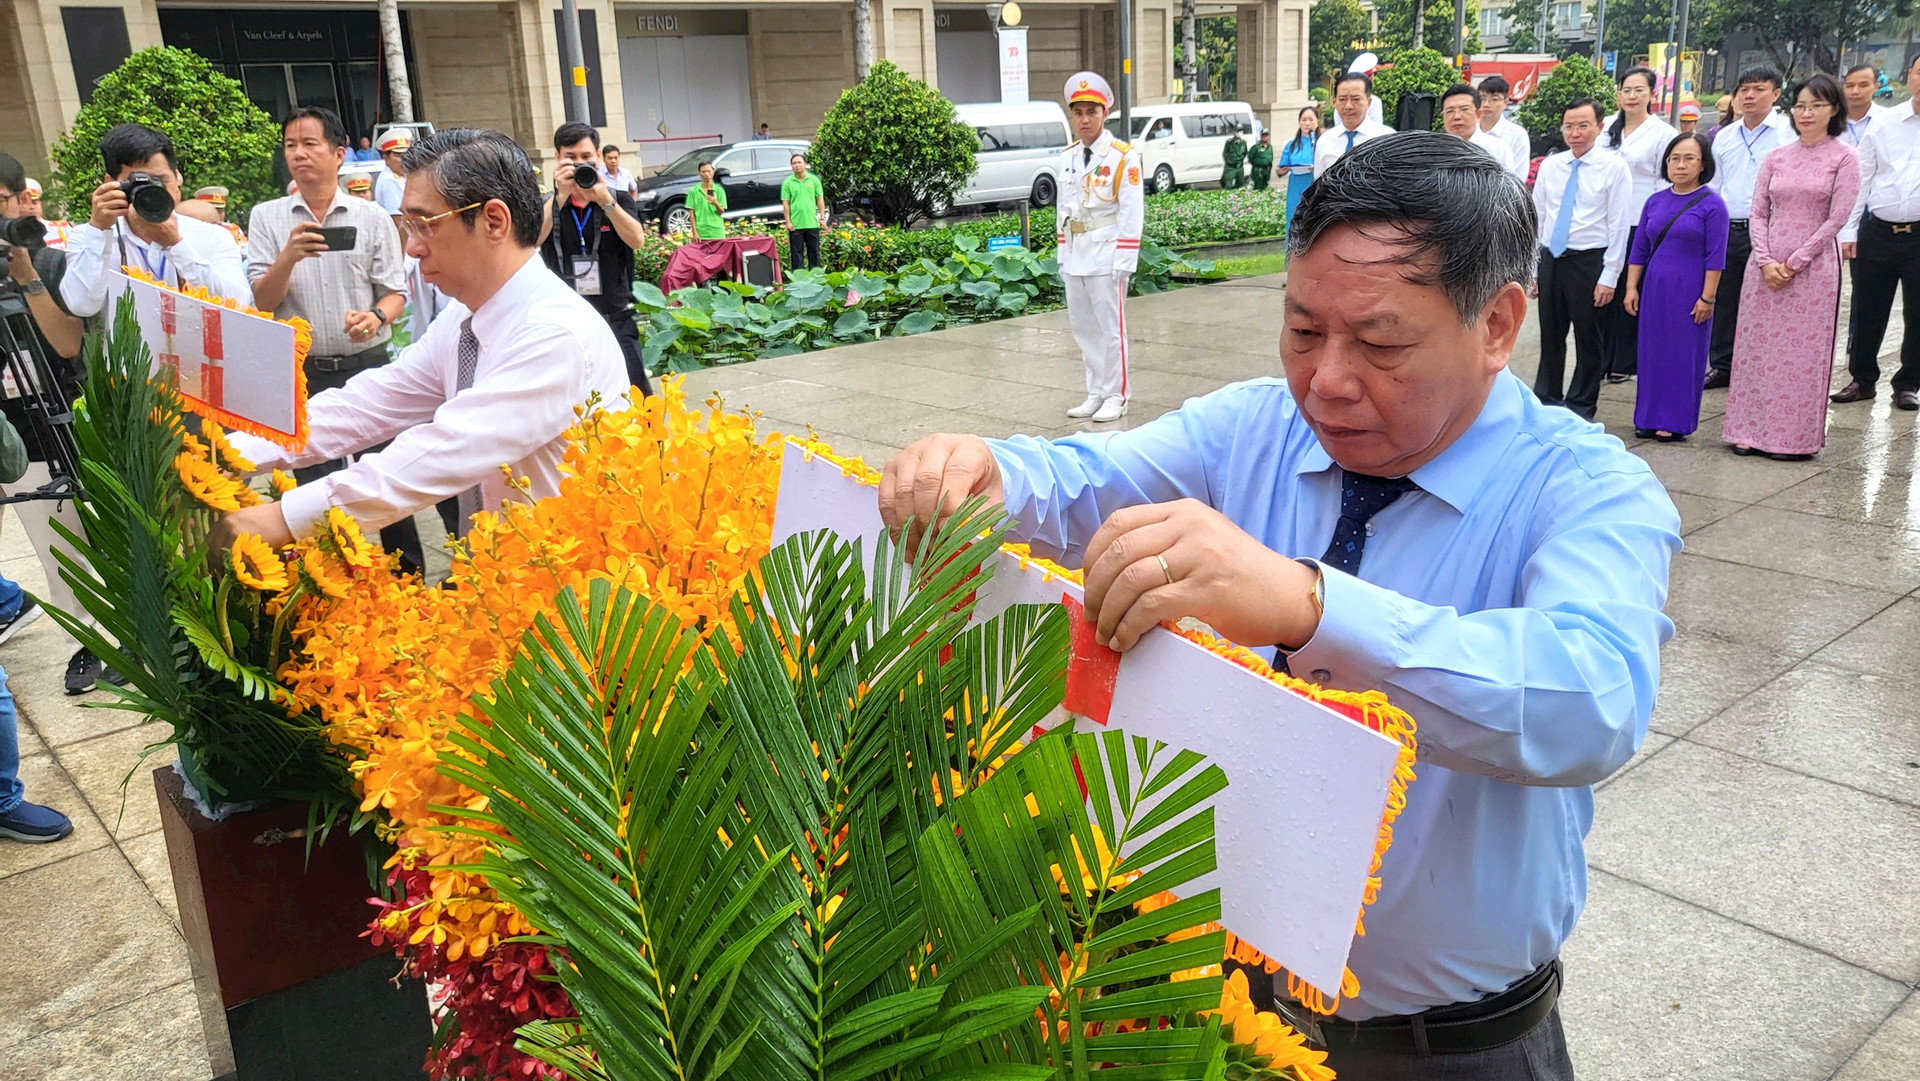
892,142
1574,79
1415,71
219,135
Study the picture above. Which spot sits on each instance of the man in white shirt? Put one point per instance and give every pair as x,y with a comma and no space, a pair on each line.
1460,115
1494,92
1863,81
1881,243
1351,93
617,178
1582,197
175,250
494,381
1738,150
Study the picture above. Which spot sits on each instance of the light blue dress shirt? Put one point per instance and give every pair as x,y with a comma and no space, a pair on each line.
1511,605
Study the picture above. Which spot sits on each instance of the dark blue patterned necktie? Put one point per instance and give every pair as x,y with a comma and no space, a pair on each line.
1361,497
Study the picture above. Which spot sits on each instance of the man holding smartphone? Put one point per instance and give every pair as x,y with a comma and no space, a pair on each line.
333,260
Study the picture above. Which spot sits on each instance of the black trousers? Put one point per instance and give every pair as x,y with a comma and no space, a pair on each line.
803,247
628,333
1726,302
402,536
1566,303
1884,261
1619,329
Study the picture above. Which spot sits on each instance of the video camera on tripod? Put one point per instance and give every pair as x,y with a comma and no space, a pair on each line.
28,373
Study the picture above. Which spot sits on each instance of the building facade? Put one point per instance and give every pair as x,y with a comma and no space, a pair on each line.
662,77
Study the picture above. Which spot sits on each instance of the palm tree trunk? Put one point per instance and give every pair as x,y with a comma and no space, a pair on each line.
862,38
1420,22
399,90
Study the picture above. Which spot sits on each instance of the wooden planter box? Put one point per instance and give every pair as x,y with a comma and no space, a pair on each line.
288,989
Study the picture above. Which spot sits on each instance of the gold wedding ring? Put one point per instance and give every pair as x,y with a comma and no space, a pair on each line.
1164,569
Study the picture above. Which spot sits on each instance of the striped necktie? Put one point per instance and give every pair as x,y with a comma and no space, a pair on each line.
469,360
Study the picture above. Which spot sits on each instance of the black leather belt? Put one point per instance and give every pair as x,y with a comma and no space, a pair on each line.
1739,223
1444,1030
366,358
1892,226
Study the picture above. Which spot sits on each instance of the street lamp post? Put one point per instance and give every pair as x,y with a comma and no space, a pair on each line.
576,63
1126,69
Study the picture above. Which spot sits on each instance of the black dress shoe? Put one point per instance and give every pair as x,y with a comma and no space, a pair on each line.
1644,433
1743,452
1790,457
1906,399
1717,379
1852,392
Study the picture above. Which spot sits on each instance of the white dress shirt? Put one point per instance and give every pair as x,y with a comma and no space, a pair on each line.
543,350
206,256
1643,148
1737,154
1519,146
1889,170
1495,146
1333,142
1600,219
1857,129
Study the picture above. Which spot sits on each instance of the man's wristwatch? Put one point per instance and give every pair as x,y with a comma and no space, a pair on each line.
379,314
33,287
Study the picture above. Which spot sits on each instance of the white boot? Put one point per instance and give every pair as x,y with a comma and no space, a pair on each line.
1086,408
1112,409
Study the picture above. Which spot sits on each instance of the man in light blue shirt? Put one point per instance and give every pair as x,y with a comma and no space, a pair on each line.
1495,565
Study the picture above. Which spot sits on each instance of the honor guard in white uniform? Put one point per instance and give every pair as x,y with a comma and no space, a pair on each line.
1101,209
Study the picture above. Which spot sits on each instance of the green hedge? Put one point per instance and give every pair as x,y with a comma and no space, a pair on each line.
1174,219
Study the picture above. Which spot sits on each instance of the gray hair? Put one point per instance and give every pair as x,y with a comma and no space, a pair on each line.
473,165
1461,220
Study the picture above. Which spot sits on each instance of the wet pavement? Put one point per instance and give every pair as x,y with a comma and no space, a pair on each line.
1752,889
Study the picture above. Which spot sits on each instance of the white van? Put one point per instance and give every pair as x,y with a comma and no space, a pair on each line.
1181,143
1019,155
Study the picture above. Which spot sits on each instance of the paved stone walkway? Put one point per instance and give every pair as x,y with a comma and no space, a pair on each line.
1752,898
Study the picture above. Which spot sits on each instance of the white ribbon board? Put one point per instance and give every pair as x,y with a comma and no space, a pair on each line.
227,361
1296,826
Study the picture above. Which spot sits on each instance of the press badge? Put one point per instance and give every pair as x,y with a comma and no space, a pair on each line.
586,276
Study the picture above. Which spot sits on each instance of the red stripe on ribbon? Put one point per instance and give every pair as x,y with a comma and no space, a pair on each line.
210,344
1092,668
170,360
213,385
166,312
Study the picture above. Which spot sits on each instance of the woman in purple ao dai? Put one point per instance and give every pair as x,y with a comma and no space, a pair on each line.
1679,250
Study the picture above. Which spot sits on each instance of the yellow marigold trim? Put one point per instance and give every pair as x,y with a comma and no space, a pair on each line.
256,564
302,342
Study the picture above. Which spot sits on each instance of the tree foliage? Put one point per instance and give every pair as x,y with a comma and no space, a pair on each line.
893,139
1633,25
1415,71
1396,26
1574,79
1527,26
1338,31
1806,35
220,136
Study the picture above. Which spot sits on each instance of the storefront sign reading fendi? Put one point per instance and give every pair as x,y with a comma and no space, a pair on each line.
676,24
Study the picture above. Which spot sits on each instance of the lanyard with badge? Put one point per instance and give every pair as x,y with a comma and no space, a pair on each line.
158,272
584,268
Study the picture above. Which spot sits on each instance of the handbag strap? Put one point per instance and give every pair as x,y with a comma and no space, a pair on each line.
1655,246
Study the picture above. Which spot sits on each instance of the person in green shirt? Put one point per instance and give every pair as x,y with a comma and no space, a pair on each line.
707,201
806,208
1260,160
1233,157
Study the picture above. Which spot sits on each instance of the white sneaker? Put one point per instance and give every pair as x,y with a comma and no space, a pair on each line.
1086,408
1111,409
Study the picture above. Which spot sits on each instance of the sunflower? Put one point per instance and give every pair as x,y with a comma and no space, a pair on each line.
325,577
217,439
207,483
284,482
256,564
354,549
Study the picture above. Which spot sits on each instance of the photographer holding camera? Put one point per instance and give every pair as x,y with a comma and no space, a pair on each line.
587,237
36,273
134,224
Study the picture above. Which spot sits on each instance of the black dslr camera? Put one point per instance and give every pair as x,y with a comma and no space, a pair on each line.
148,197
26,233
586,176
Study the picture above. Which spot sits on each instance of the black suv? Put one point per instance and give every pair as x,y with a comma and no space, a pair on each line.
751,173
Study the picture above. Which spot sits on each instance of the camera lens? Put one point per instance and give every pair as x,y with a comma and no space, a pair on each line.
23,232
586,176
148,197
